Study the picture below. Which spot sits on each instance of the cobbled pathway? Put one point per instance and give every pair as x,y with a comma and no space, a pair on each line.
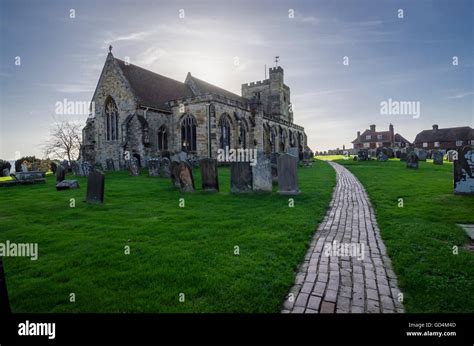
329,282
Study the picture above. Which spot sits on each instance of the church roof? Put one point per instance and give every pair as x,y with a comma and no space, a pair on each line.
200,87
152,89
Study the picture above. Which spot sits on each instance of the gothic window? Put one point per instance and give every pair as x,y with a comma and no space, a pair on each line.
273,137
163,138
282,139
188,133
243,134
111,116
224,127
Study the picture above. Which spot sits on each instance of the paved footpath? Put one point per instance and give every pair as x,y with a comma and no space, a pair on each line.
329,282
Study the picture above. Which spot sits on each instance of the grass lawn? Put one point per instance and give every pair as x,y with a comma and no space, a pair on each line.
421,235
330,157
174,250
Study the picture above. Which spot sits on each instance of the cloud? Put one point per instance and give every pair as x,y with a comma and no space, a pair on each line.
461,95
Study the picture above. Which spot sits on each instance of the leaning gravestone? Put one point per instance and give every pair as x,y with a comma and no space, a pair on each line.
109,163
134,169
67,185
438,158
174,174
382,157
209,175
412,160
240,177
60,173
262,174
287,177
95,187
165,168
186,179
463,169
154,167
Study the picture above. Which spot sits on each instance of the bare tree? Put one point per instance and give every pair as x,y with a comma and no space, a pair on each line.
64,141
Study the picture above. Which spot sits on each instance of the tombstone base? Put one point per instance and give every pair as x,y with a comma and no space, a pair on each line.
289,193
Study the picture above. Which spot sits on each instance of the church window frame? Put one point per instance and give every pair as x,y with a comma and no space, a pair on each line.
163,138
111,120
188,133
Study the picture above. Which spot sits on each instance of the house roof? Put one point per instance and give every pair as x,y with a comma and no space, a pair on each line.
152,89
450,134
200,87
400,138
374,134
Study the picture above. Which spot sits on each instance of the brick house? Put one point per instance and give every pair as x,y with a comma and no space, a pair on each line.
444,139
372,139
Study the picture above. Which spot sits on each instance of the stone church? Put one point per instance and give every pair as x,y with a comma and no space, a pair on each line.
150,115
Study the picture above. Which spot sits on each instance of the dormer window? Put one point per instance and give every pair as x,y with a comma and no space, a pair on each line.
368,137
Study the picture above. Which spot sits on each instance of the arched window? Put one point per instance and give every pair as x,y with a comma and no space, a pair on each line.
188,133
243,134
224,127
282,139
111,116
273,139
162,138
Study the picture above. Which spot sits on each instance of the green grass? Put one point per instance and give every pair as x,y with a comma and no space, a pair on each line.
420,236
173,250
330,157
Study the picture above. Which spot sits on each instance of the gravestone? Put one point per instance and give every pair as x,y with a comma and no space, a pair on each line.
273,162
262,178
34,165
240,177
382,157
412,160
24,167
403,156
287,177
76,169
65,164
6,172
174,174
397,154
86,168
60,174
463,170
95,187
372,153
363,155
133,167
67,185
165,168
209,175
182,156
186,179
154,167
422,154
438,158
109,163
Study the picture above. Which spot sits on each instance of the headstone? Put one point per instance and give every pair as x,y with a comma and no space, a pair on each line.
186,179
24,167
412,160
133,167
109,163
363,155
287,177
174,174
86,168
154,167
6,172
30,176
421,153
34,165
241,177
165,168
403,156
60,174
372,153
397,154
95,187
182,156
76,169
65,164
437,158
67,185
262,174
463,169
382,157
209,175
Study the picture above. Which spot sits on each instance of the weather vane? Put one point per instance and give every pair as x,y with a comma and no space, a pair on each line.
277,59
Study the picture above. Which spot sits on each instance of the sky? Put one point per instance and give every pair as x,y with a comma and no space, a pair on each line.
341,59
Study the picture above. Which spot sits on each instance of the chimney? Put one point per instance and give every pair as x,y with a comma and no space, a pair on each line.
358,134
372,128
435,127
392,134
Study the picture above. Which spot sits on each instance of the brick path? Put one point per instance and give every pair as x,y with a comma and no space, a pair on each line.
346,284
